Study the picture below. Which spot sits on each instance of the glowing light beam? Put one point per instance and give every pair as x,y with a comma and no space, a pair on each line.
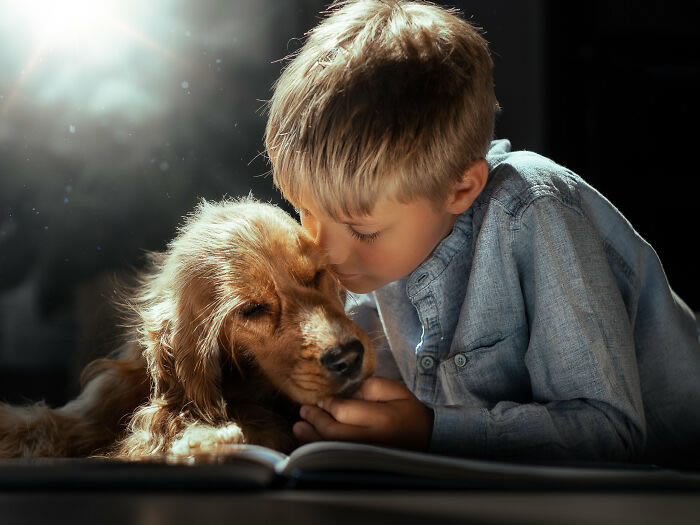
87,31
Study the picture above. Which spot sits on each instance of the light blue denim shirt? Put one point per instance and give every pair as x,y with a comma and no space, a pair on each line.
543,326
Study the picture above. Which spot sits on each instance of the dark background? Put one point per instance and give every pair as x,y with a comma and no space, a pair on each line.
107,141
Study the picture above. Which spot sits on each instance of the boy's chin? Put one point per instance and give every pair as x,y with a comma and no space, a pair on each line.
362,285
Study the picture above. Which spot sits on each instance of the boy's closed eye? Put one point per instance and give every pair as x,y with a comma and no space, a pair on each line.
364,237
360,236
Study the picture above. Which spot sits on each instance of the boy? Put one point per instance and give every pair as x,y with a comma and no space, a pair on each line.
516,312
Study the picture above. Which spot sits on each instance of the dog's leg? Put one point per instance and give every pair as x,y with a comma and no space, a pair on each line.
86,425
198,438
149,432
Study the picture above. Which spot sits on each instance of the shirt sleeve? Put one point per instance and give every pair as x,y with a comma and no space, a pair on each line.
362,309
586,397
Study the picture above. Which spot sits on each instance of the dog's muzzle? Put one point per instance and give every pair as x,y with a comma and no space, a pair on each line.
344,361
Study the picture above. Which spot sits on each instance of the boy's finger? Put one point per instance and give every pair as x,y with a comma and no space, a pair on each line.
378,388
350,411
305,433
328,428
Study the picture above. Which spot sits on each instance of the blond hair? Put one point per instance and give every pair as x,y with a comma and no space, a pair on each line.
385,98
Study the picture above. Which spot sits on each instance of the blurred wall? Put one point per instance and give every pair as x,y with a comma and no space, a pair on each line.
106,143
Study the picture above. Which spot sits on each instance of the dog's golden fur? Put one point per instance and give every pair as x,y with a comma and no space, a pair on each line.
236,324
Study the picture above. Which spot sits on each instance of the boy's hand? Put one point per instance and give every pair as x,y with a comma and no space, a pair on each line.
382,411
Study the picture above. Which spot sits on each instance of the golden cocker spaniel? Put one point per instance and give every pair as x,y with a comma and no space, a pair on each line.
236,324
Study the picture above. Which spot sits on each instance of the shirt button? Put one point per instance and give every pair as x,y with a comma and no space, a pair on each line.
460,360
427,362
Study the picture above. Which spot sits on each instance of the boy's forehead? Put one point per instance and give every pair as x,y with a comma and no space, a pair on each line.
308,201
385,209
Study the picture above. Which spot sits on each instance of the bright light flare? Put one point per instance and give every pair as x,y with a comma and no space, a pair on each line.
75,23
68,19
75,38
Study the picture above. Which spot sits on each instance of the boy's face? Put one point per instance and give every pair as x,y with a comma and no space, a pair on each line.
369,251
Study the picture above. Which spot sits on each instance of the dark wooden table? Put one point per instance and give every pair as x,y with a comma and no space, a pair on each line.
76,491
346,507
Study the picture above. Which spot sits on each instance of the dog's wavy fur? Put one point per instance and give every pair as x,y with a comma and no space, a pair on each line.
236,324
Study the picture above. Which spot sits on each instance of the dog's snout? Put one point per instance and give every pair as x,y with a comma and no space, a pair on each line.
344,360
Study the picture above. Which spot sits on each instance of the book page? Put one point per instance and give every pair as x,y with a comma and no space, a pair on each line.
251,453
371,460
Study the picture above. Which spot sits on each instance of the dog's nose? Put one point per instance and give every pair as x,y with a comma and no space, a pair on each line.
344,360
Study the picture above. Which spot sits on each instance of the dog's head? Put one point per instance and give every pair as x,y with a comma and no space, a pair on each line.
243,282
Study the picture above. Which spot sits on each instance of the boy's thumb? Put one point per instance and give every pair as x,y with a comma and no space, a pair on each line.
378,388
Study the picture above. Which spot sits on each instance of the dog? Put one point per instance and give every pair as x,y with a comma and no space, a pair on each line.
234,326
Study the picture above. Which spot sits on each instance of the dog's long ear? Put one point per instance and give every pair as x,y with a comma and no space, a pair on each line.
196,353
183,355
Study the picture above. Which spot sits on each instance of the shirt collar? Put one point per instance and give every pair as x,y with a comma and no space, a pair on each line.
435,264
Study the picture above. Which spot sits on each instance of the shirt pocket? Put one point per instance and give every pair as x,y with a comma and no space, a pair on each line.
486,371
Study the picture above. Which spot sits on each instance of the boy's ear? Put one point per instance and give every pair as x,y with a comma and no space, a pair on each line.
467,189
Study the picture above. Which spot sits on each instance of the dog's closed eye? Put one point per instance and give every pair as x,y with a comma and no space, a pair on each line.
253,309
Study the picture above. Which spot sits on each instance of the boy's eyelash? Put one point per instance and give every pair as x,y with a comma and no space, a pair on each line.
365,237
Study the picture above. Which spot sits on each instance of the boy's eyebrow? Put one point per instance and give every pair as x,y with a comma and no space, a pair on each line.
349,221
352,223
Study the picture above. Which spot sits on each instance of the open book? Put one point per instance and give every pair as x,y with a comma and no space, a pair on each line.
335,465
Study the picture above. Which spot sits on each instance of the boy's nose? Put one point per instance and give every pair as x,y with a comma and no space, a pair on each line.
328,236
336,253
332,243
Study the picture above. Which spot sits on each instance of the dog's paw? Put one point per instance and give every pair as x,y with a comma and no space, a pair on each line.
204,439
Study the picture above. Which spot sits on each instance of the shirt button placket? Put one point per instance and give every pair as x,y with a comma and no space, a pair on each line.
425,378
427,356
